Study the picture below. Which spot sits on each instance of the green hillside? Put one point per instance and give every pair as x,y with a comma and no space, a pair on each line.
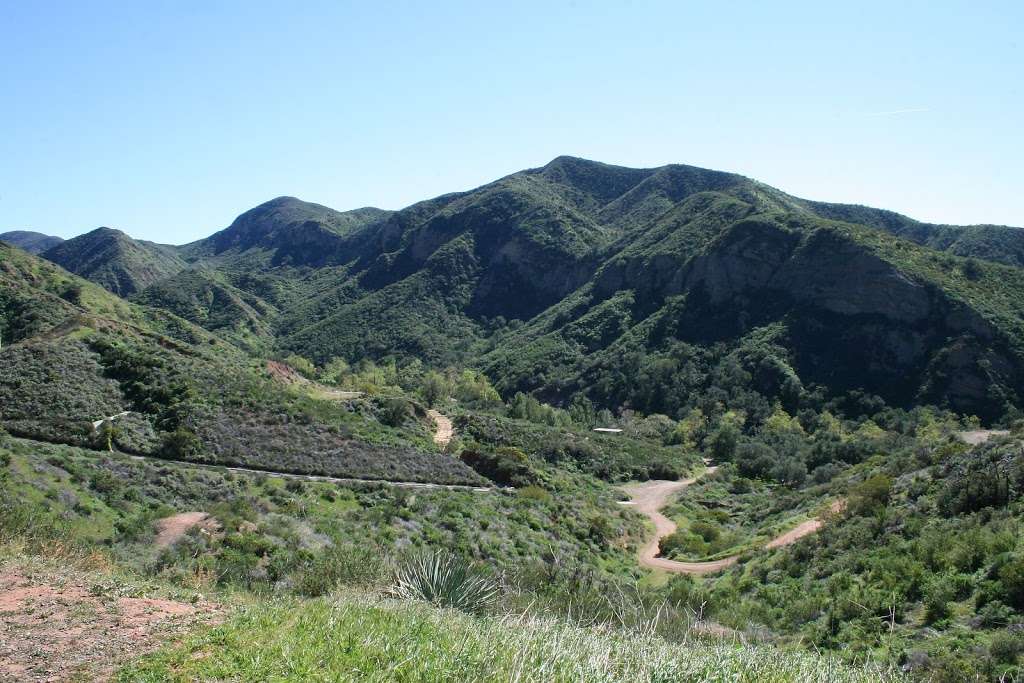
32,242
115,261
347,399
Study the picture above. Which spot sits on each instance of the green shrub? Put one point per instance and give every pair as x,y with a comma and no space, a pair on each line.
1006,648
340,565
1011,576
534,492
506,466
301,365
181,444
682,543
395,411
445,580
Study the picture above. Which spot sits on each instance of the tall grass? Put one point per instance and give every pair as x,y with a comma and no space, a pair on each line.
361,638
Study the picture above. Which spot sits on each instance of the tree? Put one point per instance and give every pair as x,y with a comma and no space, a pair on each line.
723,442
395,412
435,388
181,444
972,269
335,372
109,433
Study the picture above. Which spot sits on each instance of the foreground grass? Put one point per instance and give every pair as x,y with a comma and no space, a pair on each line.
362,638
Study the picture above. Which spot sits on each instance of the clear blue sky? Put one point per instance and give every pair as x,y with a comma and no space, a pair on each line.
167,119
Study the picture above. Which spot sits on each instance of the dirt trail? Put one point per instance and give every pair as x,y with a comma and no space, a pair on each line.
443,431
67,627
170,529
980,436
650,496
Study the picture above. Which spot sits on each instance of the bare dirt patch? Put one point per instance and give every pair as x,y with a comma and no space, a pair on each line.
170,529
979,436
63,627
288,375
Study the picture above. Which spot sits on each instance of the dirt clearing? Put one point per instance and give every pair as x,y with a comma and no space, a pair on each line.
170,529
59,627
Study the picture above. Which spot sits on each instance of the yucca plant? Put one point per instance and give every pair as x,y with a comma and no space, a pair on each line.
445,580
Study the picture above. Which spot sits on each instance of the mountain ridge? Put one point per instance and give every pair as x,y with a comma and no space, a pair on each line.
541,275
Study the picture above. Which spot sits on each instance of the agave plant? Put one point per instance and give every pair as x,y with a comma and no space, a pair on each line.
445,580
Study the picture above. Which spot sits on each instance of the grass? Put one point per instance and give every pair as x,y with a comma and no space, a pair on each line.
361,638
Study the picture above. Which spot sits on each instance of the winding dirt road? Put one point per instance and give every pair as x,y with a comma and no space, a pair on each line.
650,496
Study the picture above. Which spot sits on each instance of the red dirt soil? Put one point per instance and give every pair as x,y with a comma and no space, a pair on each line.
61,628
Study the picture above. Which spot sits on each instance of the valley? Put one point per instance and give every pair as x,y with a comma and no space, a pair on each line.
332,423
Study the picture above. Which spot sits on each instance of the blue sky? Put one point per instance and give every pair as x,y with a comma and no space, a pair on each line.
167,119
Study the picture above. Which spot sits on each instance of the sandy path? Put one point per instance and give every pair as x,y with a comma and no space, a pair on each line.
804,528
444,431
979,436
650,496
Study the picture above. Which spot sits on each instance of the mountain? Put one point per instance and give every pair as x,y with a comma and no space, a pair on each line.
572,278
299,233
32,242
115,261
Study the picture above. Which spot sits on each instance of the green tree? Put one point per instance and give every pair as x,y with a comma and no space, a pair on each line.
435,388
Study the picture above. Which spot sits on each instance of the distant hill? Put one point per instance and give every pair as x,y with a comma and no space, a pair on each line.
32,242
115,261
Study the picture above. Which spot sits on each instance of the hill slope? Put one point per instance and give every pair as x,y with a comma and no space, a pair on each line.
32,242
115,261
574,277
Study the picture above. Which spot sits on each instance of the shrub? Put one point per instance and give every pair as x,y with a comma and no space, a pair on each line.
1011,576
936,603
870,494
445,580
534,492
181,444
340,565
1006,648
682,543
395,411
506,466
301,365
